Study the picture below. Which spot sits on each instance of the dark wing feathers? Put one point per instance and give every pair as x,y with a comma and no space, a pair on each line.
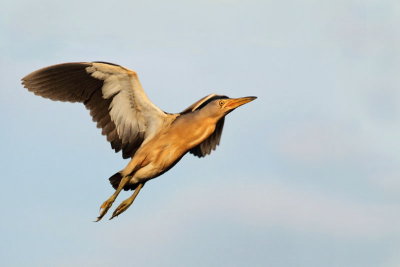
65,82
99,111
96,84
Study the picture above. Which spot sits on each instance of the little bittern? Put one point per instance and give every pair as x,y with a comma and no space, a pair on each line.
153,139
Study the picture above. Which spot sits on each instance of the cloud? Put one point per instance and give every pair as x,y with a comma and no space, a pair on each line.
387,180
266,205
270,205
316,142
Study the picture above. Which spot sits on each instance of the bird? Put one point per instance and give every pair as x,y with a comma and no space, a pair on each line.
154,140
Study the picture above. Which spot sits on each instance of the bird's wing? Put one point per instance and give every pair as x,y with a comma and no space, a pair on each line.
209,144
112,93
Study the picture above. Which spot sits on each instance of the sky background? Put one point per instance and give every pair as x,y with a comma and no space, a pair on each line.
306,175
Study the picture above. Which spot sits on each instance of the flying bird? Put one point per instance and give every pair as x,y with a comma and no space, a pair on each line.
154,140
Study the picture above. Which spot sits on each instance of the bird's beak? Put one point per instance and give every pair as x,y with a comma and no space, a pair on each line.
233,103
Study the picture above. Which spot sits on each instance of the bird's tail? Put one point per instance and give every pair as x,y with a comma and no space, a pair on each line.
116,179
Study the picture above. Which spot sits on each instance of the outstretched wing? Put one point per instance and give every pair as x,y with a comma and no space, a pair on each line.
209,144
112,93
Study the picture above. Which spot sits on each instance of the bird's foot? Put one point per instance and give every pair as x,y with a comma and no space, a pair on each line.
127,202
122,207
105,207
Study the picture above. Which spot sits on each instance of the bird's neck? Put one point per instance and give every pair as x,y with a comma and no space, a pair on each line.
193,128
205,114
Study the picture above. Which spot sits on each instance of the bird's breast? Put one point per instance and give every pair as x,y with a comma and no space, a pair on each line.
165,149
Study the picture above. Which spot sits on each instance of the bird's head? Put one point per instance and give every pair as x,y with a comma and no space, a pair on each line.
228,104
222,105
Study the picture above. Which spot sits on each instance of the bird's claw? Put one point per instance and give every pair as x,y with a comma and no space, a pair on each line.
104,208
121,208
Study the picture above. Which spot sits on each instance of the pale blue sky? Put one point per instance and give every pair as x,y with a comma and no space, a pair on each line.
306,175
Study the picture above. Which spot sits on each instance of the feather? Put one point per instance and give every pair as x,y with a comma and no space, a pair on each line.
113,94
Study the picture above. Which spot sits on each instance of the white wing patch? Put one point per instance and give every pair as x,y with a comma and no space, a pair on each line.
132,112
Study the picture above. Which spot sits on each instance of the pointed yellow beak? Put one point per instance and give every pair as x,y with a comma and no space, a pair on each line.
233,103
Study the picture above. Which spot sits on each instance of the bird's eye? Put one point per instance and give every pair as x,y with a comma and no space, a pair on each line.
221,103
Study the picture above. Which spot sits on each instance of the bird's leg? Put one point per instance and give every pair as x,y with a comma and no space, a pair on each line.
108,203
127,202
